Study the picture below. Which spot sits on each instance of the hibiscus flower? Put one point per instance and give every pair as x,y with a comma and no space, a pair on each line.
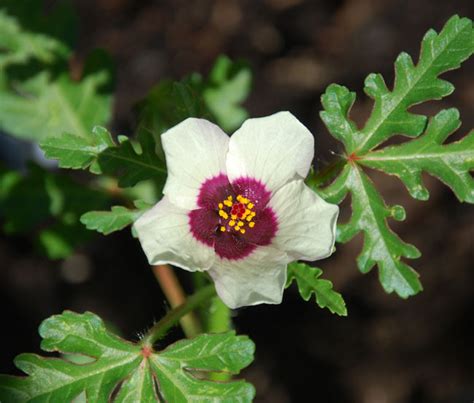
237,207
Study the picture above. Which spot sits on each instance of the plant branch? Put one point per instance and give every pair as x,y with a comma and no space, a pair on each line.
160,328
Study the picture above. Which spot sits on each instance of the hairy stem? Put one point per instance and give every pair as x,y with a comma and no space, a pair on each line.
175,295
160,328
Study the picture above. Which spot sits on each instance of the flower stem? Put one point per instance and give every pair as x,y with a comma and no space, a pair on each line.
160,328
175,295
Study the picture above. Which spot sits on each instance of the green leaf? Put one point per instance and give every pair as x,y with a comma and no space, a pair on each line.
309,283
131,371
46,105
19,45
223,352
413,84
381,245
76,152
130,161
53,218
227,86
451,163
107,222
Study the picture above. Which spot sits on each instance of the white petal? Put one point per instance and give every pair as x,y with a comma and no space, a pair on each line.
165,237
257,279
274,149
195,150
306,223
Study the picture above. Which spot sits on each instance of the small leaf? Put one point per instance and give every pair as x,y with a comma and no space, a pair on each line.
107,222
127,369
19,45
227,86
78,152
381,245
130,161
133,162
309,283
451,163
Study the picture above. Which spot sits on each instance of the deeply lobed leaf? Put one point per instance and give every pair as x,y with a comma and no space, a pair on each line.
451,163
308,281
124,371
130,162
46,106
381,245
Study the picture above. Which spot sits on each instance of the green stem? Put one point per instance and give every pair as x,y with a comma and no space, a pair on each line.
160,328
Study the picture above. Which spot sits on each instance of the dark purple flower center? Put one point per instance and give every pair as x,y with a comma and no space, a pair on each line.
233,218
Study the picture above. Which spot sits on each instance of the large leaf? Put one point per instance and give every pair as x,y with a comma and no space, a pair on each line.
413,84
126,372
48,104
451,162
309,283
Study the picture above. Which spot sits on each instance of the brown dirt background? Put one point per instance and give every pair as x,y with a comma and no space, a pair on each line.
387,350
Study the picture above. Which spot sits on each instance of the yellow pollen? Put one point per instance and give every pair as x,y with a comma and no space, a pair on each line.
251,224
231,223
252,214
240,224
242,231
221,206
237,228
249,218
228,203
229,198
223,214
250,206
233,216
223,229
239,198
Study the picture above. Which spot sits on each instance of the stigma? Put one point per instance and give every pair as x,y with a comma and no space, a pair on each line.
236,215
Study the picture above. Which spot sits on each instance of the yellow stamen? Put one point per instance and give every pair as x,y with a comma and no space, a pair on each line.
228,203
251,224
240,224
221,206
229,198
250,206
223,214
239,198
233,216
223,229
231,223
237,228
242,231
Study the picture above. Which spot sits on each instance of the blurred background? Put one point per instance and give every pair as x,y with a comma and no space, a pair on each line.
387,350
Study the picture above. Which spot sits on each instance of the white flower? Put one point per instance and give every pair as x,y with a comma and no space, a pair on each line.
238,207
